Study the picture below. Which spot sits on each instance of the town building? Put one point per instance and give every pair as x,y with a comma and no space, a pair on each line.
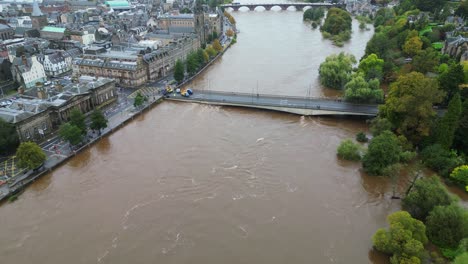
6,32
58,62
27,71
38,19
456,47
52,33
35,117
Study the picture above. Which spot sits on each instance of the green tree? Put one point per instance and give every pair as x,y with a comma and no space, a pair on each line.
360,91
378,45
460,176
404,240
313,14
461,140
201,57
372,67
337,21
179,71
463,258
206,57
230,33
30,155
447,225
349,150
217,46
211,51
192,63
412,46
440,159
426,194
429,5
462,11
139,100
78,119
8,137
379,125
426,61
451,79
409,105
98,121
71,133
383,151
336,70
448,124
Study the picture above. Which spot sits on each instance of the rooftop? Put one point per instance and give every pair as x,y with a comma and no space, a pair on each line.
53,29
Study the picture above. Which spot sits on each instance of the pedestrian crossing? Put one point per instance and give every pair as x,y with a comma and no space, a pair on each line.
145,91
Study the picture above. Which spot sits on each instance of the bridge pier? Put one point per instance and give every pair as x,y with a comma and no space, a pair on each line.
299,8
284,7
235,8
252,8
267,7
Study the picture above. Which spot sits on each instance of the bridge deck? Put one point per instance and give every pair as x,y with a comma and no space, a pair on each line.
280,103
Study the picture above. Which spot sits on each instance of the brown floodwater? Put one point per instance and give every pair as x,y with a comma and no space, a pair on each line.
188,183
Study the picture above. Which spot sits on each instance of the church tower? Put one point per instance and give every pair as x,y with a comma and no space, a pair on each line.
38,19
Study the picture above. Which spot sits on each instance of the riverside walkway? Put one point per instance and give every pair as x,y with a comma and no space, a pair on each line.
290,104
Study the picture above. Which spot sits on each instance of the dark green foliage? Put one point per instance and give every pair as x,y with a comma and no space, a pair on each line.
192,63
139,100
200,57
429,5
78,119
451,79
336,70
426,61
8,137
384,150
448,124
440,159
314,14
404,240
359,90
361,137
382,16
30,155
179,71
462,11
349,150
71,133
426,194
461,138
337,21
98,120
447,225
379,45
379,125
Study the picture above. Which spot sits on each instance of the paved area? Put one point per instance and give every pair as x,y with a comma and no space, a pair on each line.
278,101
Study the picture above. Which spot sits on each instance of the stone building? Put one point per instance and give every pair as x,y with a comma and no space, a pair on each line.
57,62
6,32
27,71
52,33
35,118
456,47
38,19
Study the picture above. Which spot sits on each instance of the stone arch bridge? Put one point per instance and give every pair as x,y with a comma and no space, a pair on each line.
283,6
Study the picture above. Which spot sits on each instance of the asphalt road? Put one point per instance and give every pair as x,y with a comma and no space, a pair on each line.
291,102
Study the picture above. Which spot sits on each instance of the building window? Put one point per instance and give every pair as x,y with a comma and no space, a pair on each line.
44,126
27,134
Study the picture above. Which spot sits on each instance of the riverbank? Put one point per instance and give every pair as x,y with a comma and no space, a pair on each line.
115,122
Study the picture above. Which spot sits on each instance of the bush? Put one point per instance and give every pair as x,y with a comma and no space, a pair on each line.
361,137
349,150
440,160
384,150
447,225
460,176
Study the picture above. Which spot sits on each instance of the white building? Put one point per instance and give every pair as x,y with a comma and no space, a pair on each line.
58,62
28,71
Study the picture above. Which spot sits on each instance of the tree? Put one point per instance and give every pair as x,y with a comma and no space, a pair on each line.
98,121
71,133
349,150
179,71
409,105
404,240
192,63
201,57
461,140
78,119
462,11
337,21
360,91
361,137
217,46
139,100
378,45
447,225
372,67
451,79
379,125
211,51
313,14
440,159
383,151
206,57
8,137
30,155
460,176
412,46
426,194
429,5
448,124
229,33
426,61
336,70
463,258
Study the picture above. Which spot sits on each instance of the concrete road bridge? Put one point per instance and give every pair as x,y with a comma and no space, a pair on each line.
283,6
296,105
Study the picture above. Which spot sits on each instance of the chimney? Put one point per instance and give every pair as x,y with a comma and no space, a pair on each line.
25,61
